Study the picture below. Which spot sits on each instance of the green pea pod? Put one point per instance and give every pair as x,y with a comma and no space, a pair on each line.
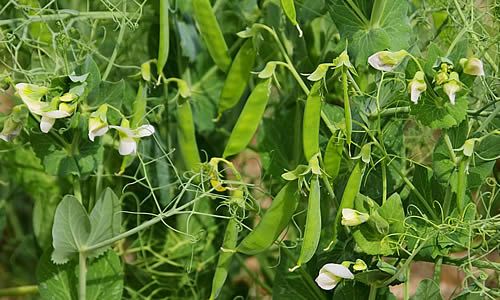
229,243
310,124
273,222
333,157
186,136
249,119
347,107
461,184
237,77
211,33
289,8
164,40
312,231
139,107
350,192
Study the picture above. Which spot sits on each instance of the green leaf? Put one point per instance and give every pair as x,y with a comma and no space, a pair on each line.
104,278
441,113
427,290
392,32
71,229
105,220
93,79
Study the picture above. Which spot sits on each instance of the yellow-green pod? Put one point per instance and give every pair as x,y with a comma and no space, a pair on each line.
311,120
333,157
312,231
186,136
164,40
237,77
225,257
139,107
289,8
249,119
211,33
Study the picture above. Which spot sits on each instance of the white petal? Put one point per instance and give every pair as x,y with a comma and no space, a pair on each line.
46,124
415,94
144,130
4,137
326,282
337,270
97,132
55,114
127,131
127,146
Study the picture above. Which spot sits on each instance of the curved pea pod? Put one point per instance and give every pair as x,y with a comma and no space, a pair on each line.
312,231
249,119
289,8
237,77
310,123
350,192
186,136
164,38
273,222
462,184
333,157
225,257
211,33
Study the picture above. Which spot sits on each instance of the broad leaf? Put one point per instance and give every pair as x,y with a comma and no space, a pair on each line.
71,229
427,290
104,278
105,220
440,113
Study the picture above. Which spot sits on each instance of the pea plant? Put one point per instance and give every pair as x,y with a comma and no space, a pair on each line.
197,149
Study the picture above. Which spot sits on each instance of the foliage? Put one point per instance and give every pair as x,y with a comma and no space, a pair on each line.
202,149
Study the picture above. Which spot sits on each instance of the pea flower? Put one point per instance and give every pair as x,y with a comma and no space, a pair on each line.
417,86
129,137
452,86
331,274
31,95
387,60
98,122
472,66
10,130
352,217
360,265
441,77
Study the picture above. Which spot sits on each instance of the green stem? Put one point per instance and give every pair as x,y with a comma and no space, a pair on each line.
117,45
377,12
373,292
82,278
449,145
347,107
359,14
19,290
62,16
406,291
77,189
462,184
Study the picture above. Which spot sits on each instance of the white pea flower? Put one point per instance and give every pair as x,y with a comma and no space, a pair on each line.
468,147
98,122
31,95
472,66
10,130
452,86
387,60
331,274
129,137
417,86
352,217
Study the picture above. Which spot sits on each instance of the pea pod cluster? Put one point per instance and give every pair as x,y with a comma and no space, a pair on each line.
311,120
237,77
274,221
249,119
186,136
211,33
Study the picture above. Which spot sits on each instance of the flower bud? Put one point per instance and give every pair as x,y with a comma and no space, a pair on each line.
472,66
452,86
387,60
417,86
351,217
98,124
360,265
441,77
11,129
